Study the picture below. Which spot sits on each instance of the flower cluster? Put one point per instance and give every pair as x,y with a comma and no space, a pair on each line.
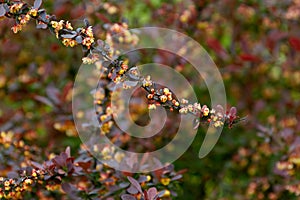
14,188
83,177
11,146
164,97
119,33
23,12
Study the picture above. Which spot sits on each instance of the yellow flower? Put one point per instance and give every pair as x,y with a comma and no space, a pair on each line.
33,12
166,193
218,124
295,160
69,26
6,183
205,111
166,91
183,110
69,42
87,60
28,181
54,24
25,19
16,8
72,43
16,28
57,25
89,32
88,41
151,106
163,98
119,156
165,181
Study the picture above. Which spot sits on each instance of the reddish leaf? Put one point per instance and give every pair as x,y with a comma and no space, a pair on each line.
84,165
232,111
102,18
295,43
217,47
249,58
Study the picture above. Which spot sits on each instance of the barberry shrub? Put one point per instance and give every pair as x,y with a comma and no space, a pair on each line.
256,43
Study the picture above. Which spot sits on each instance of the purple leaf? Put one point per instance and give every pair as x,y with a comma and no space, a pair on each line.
68,151
127,197
162,193
132,190
66,187
135,183
2,11
86,23
142,179
41,26
36,165
152,192
12,175
53,94
68,36
78,39
37,4
44,100
179,176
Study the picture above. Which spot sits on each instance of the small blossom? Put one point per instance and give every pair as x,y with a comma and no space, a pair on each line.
16,8
197,106
165,181
205,111
6,183
28,181
165,193
69,26
184,101
69,42
151,106
88,42
25,19
163,98
16,28
150,96
218,124
183,110
166,91
33,12
119,156
89,32
87,60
